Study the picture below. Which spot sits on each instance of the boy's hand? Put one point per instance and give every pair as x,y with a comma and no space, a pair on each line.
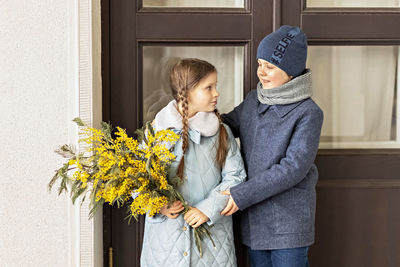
231,206
194,217
173,211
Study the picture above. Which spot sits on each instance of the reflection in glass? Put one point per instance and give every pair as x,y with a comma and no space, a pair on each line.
353,3
357,89
194,3
158,60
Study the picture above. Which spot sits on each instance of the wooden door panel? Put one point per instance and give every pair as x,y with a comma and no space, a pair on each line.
363,164
357,225
357,217
161,26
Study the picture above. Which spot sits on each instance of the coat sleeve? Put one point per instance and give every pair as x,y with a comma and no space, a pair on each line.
232,119
232,173
291,169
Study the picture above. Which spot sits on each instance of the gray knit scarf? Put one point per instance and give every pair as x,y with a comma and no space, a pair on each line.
293,91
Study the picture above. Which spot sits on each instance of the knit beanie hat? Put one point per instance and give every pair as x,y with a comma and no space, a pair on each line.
286,48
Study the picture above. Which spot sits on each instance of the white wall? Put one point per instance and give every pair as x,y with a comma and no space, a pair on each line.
37,103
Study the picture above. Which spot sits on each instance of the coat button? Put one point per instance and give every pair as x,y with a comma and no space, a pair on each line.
184,228
185,253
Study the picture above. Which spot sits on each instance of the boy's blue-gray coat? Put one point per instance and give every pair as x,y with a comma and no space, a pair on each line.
279,144
170,242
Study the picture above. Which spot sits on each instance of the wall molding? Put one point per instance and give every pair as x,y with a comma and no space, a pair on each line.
83,100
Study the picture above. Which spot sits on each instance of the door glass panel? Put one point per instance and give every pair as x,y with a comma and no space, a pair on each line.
194,3
353,3
158,60
356,87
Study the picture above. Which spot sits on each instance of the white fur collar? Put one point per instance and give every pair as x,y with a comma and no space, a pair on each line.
204,122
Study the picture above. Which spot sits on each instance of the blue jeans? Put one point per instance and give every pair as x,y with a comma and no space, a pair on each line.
291,257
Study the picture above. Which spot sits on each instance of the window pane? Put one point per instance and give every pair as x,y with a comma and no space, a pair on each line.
194,3
353,3
356,86
158,60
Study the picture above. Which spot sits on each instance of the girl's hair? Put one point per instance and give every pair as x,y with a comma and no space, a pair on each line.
185,75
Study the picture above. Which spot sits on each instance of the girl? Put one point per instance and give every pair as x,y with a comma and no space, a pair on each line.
208,161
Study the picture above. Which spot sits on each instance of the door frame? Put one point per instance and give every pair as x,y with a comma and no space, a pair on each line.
84,100
292,12
127,26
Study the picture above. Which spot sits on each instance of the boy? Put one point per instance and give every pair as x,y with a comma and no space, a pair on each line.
279,126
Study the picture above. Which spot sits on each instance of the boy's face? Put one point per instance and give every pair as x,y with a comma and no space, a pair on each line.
270,75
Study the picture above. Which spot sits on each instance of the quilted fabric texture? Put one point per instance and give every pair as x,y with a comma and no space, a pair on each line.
170,242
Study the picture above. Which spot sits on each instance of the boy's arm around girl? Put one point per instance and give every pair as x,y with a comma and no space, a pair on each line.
232,173
292,167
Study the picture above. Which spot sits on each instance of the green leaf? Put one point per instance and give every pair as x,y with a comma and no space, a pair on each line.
107,129
77,193
63,184
62,175
208,234
53,180
93,192
140,134
198,242
96,205
148,164
130,215
83,199
78,121
150,128
66,151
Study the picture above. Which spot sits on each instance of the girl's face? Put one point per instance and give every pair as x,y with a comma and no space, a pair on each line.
203,97
270,75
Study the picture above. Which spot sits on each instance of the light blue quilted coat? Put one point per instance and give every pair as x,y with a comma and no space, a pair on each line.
170,242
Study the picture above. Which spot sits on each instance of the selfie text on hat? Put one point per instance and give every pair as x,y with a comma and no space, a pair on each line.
282,46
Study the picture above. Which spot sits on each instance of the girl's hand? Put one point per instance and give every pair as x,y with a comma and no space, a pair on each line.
231,206
194,217
173,211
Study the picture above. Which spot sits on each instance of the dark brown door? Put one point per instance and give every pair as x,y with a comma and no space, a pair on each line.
130,30
358,193
358,205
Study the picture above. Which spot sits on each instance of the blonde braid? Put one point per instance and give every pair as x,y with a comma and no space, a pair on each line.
185,126
222,150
